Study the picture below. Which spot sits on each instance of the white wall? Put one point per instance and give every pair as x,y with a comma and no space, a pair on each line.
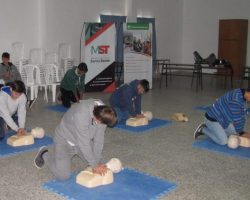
201,24
64,20
19,22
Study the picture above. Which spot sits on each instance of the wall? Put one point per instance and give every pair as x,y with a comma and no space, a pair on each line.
201,24
168,15
19,22
46,23
64,20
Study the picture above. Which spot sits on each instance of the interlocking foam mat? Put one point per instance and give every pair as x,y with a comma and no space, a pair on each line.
153,124
208,144
7,150
129,184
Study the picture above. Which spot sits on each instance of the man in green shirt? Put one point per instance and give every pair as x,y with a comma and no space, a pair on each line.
72,85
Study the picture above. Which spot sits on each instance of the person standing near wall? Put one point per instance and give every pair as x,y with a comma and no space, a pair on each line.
8,71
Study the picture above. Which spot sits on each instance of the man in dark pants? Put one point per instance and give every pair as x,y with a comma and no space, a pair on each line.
126,100
72,85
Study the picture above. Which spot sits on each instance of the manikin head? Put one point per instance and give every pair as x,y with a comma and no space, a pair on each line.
105,115
81,69
233,142
143,86
115,165
5,58
148,115
17,88
37,132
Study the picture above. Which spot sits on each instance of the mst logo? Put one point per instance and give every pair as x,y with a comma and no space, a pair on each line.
102,49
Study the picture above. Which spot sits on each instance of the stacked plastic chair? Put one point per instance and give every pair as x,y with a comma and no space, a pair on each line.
30,75
17,55
65,59
49,79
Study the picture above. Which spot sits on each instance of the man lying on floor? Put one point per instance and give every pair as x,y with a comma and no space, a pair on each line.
80,132
225,117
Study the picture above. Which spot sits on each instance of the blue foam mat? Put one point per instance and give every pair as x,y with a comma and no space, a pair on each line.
129,184
201,108
57,108
154,123
209,145
204,108
7,150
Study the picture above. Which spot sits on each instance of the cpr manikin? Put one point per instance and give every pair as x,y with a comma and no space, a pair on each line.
90,180
140,121
27,139
234,141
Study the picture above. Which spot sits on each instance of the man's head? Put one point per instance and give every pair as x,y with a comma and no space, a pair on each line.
17,88
5,57
105,115
143,86
82,69
247,95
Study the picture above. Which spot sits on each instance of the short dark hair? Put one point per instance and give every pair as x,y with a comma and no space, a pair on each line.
83,67
17,86
105,114
145,84
6,55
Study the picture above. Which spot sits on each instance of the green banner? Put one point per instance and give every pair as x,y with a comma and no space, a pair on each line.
137,26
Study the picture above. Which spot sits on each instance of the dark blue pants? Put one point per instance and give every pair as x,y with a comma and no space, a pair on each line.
122,116
3,125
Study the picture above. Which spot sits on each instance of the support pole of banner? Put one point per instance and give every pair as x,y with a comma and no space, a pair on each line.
80,57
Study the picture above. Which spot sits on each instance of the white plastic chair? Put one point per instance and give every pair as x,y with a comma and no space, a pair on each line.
17,54
49,78
65,59
30,76
37,56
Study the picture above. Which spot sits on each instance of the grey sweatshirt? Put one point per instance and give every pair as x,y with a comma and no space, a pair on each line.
9,73
78,128
9,107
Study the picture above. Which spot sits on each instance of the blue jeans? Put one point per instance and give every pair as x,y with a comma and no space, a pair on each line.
3,125
122,116
217,133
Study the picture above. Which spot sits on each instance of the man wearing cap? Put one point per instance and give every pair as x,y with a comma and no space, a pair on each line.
126,100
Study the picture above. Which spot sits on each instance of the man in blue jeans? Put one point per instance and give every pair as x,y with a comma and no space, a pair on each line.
225,117
126,100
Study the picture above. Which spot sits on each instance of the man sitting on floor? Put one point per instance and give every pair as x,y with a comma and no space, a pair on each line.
126,100
80,132
72,85
225,117
8,71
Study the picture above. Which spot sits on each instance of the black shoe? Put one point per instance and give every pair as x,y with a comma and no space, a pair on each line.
1,138
39,161
198,131
31,102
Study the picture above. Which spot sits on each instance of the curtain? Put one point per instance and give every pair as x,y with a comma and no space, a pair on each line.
154,49
119,20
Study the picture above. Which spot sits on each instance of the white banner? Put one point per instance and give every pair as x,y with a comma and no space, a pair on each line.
137,52
100,56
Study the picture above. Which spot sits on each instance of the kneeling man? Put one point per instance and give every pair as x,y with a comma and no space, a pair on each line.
80,132
225,117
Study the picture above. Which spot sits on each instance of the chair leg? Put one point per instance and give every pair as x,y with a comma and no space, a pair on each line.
45,93
54,93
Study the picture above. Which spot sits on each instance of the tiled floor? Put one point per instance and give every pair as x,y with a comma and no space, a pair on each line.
165,152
